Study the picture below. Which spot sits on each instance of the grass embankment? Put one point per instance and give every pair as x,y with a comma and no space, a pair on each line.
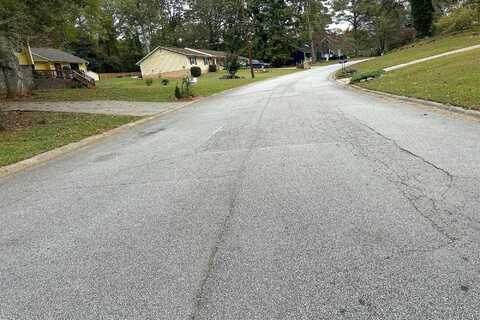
129,89
30,133
419,50
453,80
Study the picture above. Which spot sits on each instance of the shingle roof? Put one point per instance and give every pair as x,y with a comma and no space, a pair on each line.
217,54
50,54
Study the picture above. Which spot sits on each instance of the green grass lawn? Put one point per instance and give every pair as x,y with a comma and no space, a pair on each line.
453,80
419,50
129,89
32,133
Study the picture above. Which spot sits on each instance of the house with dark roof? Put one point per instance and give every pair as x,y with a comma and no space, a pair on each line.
54,64
176,62
49,59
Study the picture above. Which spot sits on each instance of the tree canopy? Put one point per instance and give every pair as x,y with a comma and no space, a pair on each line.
114,34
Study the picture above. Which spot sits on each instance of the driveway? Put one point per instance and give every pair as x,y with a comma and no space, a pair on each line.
129,108
292,198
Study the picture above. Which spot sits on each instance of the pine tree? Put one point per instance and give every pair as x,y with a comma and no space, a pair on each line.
422,13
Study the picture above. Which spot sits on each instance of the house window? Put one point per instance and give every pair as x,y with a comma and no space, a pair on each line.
205,61
193,60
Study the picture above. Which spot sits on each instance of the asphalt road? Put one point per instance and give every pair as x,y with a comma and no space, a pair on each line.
288,199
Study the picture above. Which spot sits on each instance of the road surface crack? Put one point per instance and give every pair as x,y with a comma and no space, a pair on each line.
240,176
421,182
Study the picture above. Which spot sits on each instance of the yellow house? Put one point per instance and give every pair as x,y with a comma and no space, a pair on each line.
54,68
49,60
176,62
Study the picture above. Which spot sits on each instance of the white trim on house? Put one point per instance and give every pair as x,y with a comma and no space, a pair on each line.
200,52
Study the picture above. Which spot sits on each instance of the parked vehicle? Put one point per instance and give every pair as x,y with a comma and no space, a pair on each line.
258,64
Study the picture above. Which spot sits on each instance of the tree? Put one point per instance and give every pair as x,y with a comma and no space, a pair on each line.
475,5
422,14
355,13
313,18
232,65
239,25
207,19
274,35
12,20
34,22
386,24
10,70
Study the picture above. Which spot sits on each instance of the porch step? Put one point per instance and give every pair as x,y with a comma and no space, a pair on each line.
83,79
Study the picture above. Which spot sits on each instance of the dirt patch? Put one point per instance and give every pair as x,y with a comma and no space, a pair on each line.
15,120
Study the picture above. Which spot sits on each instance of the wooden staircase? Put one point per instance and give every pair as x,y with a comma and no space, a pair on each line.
83,79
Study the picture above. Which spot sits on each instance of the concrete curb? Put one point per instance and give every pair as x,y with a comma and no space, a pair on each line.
55,153
437,105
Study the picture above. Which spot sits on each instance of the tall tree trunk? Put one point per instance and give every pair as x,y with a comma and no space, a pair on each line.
314,51
16,83
355,25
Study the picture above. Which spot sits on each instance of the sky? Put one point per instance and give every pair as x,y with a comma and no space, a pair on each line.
342,25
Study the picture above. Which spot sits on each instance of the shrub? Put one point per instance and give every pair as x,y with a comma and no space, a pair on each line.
359,77
212,68
232,64
185,90
460,19
165,81
186,87
149,82
196,71
178,92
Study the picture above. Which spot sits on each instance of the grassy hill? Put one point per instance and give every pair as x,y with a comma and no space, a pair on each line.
451,80
421,49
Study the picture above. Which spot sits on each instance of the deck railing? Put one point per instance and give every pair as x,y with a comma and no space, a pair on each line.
53,74
78,76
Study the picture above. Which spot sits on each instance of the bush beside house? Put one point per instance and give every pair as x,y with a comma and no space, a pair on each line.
195,71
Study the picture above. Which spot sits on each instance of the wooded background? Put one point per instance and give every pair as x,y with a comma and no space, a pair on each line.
114,34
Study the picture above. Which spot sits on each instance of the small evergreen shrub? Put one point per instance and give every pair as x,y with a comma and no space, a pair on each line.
184,91
196,71
149,82
363,76
212,68
165,81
